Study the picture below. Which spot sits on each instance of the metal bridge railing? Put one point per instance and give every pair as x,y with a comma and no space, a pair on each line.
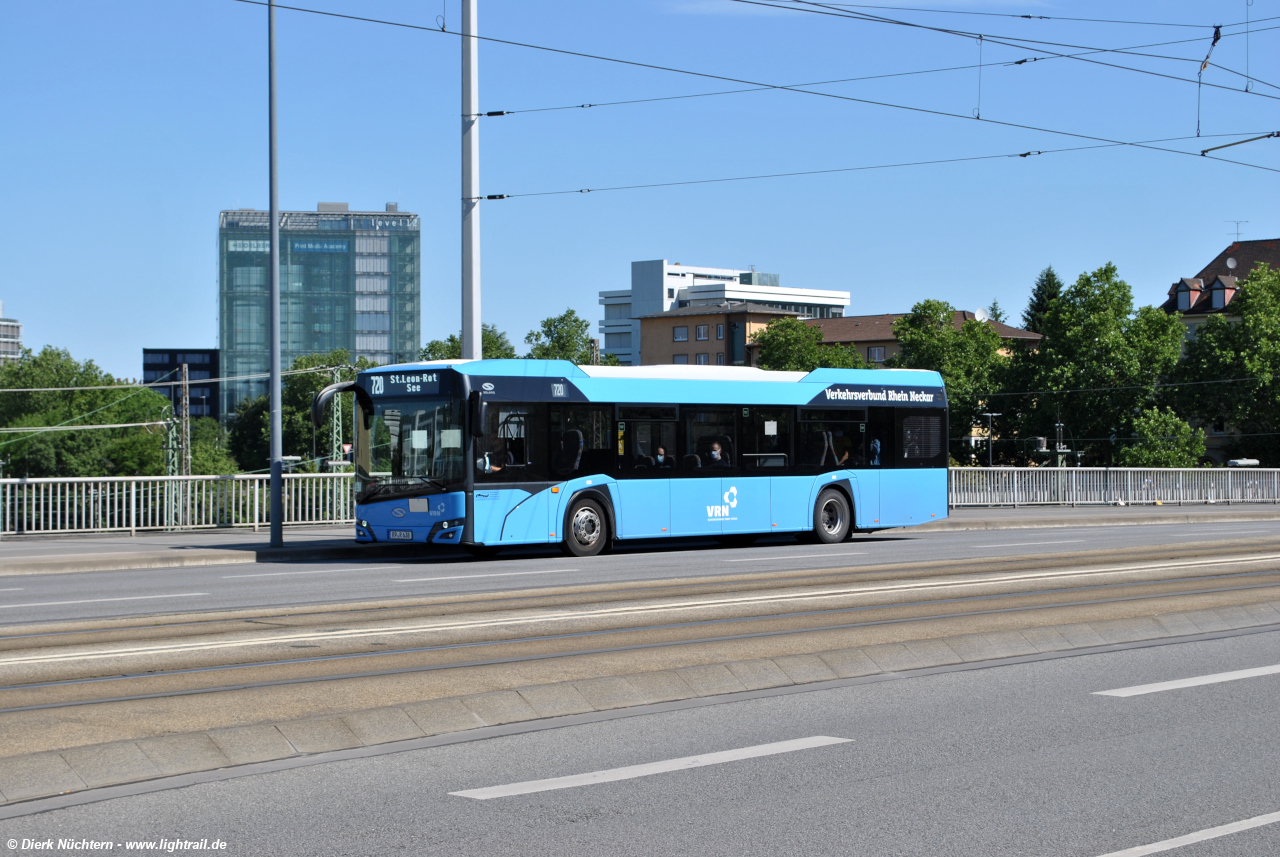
129,504
1110,486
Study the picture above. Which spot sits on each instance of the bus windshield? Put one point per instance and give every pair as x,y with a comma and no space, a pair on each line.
409,447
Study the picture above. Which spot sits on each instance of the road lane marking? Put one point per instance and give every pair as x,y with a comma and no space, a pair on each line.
640,610
797,556
99,600
1026,544
1198,836
631,772
495,574
321,571
12,589
1215,678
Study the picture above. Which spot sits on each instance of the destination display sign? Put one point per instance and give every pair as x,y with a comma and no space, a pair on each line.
400,383
866,394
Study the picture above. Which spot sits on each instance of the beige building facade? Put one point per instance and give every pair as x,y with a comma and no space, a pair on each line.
705,336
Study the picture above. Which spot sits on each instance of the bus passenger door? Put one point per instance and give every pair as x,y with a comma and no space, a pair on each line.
701,502
767,456
646,452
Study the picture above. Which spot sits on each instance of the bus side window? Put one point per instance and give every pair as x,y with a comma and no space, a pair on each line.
512,448
647,448
923,434
710,441
766,440
831,439
881,431
579,440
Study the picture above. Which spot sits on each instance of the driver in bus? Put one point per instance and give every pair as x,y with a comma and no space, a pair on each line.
495,460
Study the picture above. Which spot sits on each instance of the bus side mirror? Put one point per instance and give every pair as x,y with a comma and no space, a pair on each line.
477,413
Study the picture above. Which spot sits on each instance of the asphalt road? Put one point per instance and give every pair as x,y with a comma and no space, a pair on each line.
93,595
1011,760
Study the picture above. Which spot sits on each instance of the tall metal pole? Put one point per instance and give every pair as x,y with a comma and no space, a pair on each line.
277,465
471,340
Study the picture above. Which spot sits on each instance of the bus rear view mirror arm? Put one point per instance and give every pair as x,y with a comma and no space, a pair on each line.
322,398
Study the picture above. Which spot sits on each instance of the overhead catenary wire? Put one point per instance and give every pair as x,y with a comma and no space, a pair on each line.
1035,17
1026,154
42,429
710,76
1007,41
1159,385
656,67
154,384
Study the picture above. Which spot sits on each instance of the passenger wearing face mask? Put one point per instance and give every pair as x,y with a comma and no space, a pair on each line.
718,457
662,459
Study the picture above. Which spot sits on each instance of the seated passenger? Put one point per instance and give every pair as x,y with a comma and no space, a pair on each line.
662,459
719,458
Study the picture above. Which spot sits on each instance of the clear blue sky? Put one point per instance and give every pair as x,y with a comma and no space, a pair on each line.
130,124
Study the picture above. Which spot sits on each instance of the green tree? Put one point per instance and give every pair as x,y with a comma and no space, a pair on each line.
249,430
789,345
1231,370
494,345
996,311
968,357
1099,364
1162,439
1046,290
248,434
93,452
209,453
562,337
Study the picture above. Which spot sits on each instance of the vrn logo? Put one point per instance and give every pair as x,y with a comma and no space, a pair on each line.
730,502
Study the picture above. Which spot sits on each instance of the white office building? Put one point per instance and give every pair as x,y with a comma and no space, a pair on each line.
660,285
10,338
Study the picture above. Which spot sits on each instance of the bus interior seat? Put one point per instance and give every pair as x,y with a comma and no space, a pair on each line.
692,460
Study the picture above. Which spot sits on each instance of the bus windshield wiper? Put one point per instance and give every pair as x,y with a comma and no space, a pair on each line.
386,487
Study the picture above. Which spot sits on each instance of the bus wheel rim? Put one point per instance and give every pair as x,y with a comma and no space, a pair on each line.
586,527
832,516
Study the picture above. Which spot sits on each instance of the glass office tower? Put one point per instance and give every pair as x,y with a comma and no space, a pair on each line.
348,279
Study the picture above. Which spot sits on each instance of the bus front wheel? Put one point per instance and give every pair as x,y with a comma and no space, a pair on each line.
831,517
587,532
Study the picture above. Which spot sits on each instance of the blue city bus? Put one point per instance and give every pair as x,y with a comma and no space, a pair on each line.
489,453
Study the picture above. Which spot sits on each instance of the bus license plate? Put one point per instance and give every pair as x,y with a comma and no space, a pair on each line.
406,535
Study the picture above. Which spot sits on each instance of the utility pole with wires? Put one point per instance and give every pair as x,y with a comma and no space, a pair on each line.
184,415
273,384
471,337
335,425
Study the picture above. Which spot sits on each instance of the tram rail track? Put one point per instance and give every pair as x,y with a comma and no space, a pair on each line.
73,632
1273,583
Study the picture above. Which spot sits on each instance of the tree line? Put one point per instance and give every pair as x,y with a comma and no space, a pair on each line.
1127,384
242,446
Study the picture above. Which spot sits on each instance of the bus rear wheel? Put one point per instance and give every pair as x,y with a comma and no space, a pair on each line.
831,517
587,530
